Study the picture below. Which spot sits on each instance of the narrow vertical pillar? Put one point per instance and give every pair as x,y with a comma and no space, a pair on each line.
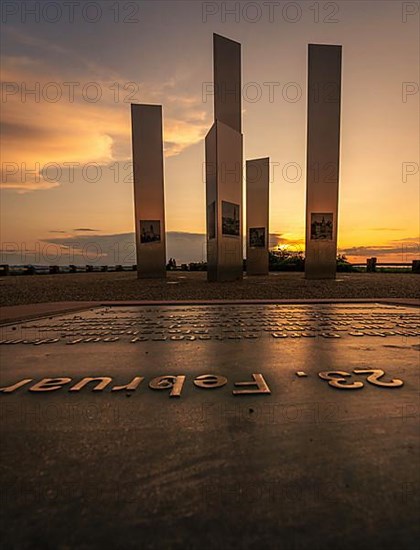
224,166
257,212
149,201
323,156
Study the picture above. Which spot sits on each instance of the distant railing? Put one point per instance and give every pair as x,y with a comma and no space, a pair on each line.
383,264
371,266
6,269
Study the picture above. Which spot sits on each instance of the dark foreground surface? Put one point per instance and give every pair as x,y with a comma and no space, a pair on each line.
193,286
308,466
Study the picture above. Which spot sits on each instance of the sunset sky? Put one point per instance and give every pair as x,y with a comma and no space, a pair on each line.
161,52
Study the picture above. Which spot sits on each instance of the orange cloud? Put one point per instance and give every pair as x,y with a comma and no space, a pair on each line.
39,129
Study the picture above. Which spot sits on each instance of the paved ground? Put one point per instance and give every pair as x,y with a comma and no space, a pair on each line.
306,467
193,286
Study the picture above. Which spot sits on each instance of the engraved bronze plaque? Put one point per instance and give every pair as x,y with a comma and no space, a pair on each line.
132,434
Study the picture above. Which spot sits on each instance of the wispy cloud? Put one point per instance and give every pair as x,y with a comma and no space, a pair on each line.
387,229
404,250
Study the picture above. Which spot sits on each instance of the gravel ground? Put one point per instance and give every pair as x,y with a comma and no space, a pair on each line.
16,290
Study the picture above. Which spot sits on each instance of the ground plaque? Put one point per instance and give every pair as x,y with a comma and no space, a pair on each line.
148,415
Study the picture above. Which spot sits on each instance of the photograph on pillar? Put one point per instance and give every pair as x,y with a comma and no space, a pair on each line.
321,227
209,275
211,220
257,237
230,219
149,231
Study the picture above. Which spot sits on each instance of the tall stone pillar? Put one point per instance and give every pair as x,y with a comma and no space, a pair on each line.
149,201
224,166
323,158
257,212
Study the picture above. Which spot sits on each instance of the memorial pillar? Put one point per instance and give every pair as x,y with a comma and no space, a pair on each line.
223,149
257,212
149,201
323,156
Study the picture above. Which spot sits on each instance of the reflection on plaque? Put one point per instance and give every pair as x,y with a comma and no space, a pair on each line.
230,219
322,227
257,237
211,220
149,231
